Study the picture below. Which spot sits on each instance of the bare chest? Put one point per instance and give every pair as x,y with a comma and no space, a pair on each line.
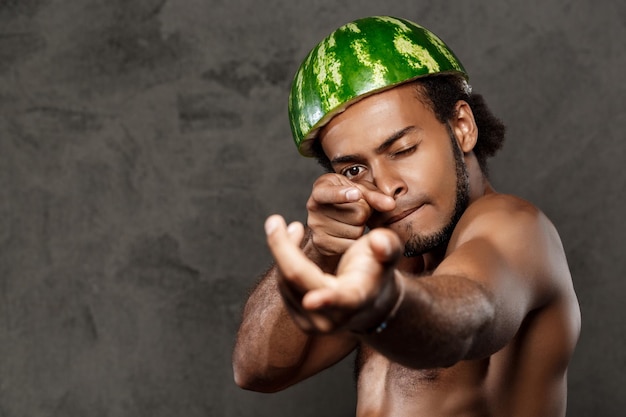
386,388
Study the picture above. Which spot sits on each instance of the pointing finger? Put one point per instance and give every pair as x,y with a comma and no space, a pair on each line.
294,265
334,194
359,272
377,200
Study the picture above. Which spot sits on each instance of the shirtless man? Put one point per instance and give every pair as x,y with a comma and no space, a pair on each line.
458,299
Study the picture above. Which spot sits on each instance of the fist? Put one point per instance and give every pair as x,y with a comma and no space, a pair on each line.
338,211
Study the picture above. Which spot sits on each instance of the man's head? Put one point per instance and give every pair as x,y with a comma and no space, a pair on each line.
407,134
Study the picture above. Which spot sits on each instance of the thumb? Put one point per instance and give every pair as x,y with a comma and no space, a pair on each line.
361,272
377,200
385,245
295,231
371,254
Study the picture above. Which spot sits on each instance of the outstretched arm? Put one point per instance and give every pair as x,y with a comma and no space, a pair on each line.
501,264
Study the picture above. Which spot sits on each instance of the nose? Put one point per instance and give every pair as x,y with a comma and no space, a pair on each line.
389,182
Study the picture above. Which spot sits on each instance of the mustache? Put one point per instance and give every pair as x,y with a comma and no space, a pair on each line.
403,208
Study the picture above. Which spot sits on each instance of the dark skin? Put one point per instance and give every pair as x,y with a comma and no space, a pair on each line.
485,323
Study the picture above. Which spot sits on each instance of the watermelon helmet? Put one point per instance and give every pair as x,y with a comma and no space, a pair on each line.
361,58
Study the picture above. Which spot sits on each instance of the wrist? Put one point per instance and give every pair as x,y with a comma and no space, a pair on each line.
390,308
394,310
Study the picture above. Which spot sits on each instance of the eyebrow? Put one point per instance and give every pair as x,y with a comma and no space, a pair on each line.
393,138
380,149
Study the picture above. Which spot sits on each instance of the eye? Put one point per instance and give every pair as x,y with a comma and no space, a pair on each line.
352,171
404,151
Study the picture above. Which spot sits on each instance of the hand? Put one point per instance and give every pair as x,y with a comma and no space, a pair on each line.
358,298
338,211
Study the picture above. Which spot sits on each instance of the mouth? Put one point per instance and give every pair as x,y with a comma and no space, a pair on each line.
402,215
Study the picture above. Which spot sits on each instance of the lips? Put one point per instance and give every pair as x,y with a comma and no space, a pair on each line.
400,216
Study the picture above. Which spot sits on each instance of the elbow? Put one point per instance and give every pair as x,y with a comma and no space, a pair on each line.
251,383
251,380
246,373
247,381
244,377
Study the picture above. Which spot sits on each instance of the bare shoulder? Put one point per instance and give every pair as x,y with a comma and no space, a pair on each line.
522,235
502,207
530,245
504,216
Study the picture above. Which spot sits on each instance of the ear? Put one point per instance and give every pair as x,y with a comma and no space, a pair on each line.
464,126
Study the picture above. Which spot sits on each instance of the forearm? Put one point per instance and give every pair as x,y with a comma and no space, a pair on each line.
272,350
269,344
438,323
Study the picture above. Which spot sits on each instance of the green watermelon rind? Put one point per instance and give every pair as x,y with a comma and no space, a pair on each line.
395,51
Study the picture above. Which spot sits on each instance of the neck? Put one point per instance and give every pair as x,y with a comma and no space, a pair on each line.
479,186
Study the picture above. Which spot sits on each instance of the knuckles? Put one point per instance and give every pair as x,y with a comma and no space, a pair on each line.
332,221
326,245
361,213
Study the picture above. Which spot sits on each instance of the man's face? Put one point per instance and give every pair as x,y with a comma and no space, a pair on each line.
394,143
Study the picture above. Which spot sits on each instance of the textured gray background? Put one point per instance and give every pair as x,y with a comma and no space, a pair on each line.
143,142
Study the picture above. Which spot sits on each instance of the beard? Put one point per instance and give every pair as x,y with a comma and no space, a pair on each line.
418,244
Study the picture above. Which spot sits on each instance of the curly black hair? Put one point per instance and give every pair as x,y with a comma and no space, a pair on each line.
441,93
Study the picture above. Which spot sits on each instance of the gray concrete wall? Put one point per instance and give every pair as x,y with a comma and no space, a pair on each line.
143,142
